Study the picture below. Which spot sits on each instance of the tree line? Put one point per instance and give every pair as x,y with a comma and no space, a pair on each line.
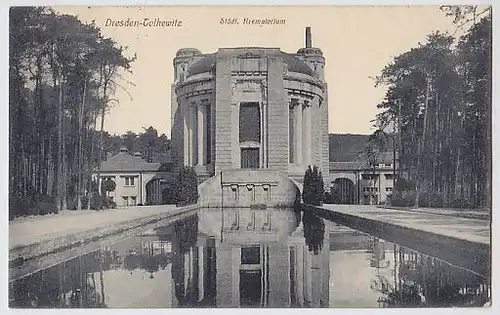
437,112
153,147
63,75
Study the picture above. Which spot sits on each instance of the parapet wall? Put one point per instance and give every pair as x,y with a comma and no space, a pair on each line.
248,188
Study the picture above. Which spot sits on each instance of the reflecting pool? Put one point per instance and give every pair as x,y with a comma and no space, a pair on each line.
251,258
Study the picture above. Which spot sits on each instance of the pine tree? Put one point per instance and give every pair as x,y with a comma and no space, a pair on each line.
186,187
313,191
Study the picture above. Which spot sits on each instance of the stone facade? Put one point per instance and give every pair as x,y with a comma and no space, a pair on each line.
250,108
247,188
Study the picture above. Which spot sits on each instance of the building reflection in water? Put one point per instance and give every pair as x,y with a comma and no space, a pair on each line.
251,258
398,277
229,258
259,258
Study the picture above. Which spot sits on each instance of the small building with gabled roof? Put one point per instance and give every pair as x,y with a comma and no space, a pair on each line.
138,182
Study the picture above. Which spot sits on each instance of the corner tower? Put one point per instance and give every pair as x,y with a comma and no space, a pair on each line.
183,59
313,57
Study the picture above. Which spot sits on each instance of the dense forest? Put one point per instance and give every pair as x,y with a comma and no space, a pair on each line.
153,147
438,107
62,78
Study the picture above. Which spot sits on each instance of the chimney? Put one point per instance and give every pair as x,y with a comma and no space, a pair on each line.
308,37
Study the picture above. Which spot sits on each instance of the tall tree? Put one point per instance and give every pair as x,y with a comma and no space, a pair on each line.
438,94
54,71
375,152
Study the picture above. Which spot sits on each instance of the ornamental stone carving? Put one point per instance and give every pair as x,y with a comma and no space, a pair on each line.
263,87
249,86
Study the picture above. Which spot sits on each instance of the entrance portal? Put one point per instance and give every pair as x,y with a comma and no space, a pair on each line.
343,191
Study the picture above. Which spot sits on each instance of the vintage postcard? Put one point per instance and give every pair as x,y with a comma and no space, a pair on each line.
250,157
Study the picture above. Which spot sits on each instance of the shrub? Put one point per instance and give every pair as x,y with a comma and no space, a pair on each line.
167,196
402,199
313,191
18,206
98,202
94,187
33,205
460,203
334,195
401,184
430,199
185,190
411,184
107,186
45,207
327,198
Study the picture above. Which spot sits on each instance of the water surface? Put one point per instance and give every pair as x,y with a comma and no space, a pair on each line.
251,258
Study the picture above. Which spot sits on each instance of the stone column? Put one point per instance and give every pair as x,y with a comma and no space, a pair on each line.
201,133
263,126
206,129
189,118
235,135
185,130
307,139
265,131
263,135
298,132
192,134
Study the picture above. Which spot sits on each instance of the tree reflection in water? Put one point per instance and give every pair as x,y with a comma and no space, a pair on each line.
314,231
69,284
429,282
184,241
417,280
79,283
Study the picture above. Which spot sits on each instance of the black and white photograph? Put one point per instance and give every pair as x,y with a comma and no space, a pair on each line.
279,156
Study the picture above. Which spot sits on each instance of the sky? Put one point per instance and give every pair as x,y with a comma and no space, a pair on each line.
357,42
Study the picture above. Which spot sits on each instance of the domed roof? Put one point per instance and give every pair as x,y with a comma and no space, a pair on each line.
310,51
296,65
207,63
202,65
187,52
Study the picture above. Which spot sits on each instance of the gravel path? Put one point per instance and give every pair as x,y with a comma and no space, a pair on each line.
476,230
27,231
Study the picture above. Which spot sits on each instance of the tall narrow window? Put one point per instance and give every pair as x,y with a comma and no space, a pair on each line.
250,158
249,122
250,288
